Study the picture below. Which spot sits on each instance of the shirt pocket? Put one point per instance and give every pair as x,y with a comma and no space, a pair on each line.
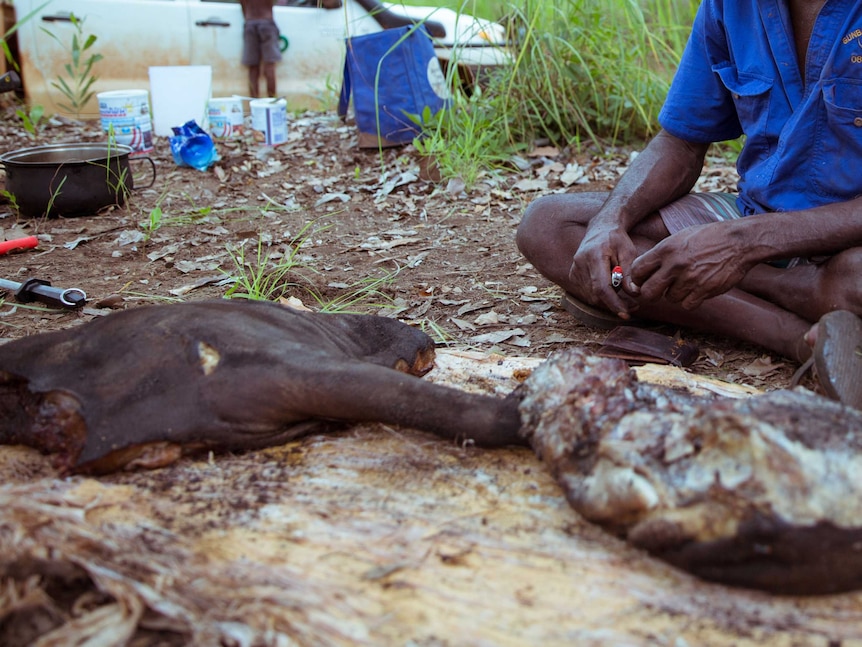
839,140
750,93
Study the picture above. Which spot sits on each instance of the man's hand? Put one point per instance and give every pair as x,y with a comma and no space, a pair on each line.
691,266
602,248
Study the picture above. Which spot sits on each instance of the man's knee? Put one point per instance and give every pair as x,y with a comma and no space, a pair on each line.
549,217
529,232
842,283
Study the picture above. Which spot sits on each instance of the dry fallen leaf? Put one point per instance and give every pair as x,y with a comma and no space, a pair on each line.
761,367
498,336
531,185
544,151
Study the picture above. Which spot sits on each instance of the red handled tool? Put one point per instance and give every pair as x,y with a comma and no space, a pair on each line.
29,242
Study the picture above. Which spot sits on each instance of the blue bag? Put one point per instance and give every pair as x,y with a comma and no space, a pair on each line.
393,75
192,146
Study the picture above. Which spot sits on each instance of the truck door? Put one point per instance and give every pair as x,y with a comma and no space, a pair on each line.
131,35
216,40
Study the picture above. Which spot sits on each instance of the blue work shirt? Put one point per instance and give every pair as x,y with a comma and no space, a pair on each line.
739,74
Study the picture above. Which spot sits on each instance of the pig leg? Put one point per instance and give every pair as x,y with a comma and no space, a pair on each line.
359,392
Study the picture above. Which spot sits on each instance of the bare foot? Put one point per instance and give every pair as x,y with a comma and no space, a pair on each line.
811,336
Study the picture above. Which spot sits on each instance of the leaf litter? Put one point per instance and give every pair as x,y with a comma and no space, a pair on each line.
371,215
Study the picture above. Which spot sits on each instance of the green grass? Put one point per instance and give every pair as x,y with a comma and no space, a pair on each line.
588,71
262,275
584,73
467,140
261,278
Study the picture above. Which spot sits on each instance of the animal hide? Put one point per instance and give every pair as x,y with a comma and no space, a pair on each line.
143,387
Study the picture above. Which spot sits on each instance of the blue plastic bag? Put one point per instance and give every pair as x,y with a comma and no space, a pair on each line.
192,146
392,75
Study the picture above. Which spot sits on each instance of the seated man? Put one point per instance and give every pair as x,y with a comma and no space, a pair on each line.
768,265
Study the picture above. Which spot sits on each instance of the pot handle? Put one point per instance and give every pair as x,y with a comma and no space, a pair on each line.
152,165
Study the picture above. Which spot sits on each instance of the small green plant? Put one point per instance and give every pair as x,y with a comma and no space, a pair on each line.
327,97
11,199
261,278
466,139
76,85
32,119
158,218
365,293
115,173
152,224
53,197
436,332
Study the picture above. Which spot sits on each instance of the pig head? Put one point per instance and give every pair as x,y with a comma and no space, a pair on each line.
144,386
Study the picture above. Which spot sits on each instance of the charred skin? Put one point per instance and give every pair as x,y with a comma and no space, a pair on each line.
762,492
145,386
52,421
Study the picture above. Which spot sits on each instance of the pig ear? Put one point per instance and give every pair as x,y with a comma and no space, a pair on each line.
383,341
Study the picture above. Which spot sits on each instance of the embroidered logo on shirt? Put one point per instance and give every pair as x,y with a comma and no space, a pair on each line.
855,35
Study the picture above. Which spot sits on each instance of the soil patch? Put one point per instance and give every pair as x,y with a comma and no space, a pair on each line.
437,256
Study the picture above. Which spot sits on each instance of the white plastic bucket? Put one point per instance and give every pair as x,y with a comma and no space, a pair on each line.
269,118
180,94
225,116
127,114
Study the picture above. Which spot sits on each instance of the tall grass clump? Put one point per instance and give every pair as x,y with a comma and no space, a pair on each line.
582,71
671,21
588,69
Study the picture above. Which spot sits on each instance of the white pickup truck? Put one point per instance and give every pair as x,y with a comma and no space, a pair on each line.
134,35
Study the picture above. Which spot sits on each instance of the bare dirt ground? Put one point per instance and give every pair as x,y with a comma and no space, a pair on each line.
441,257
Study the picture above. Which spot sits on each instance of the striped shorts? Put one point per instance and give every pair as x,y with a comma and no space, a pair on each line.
704,208
699,209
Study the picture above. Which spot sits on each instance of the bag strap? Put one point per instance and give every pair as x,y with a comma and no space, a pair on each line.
344,99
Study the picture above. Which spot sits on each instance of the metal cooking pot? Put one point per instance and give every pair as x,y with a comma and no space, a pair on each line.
70,179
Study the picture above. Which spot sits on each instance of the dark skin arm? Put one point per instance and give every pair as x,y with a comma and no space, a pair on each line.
666,170
257,9
700,262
